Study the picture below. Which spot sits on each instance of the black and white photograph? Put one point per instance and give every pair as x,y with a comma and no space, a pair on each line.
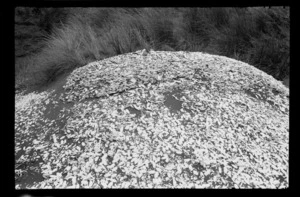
151,97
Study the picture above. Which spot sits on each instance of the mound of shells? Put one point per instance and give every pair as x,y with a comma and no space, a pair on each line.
160,120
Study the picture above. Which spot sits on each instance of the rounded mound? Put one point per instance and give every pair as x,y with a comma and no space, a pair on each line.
164,119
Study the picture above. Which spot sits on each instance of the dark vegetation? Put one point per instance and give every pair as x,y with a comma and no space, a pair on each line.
53,41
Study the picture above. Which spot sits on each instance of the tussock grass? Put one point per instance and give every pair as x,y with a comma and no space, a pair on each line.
257,35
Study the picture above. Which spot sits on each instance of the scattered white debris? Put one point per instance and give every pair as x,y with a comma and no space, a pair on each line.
181,124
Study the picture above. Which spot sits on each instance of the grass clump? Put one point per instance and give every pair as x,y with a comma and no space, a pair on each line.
256,35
